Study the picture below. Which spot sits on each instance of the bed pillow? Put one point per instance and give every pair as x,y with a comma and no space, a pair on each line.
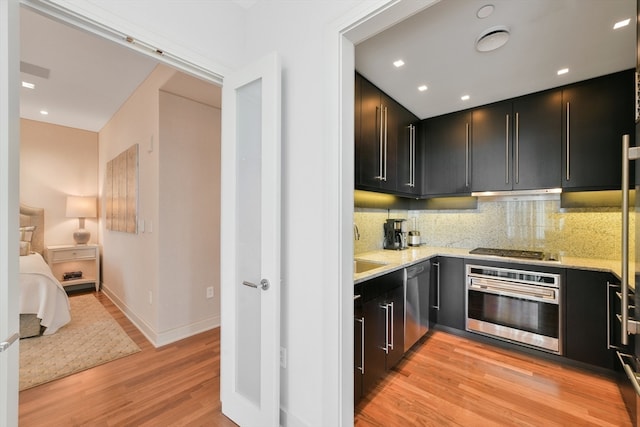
26,234
25,248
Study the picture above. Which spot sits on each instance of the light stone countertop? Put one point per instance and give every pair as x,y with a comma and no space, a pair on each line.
395,260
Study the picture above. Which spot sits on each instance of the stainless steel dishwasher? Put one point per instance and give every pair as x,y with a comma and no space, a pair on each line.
416,306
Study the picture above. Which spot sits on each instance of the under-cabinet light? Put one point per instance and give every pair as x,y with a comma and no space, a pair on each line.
621,24
28,85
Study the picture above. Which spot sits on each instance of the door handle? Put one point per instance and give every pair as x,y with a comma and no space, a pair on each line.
4,345
264,284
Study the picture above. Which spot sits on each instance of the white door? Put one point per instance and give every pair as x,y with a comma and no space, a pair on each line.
9,160
250,233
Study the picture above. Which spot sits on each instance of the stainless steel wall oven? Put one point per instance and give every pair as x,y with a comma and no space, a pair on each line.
515,305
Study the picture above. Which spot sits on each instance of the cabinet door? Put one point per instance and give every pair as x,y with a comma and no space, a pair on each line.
391,112
537,141
408,153
394,300
447,141
374,344
450,297
596,113
368,158
586,323
491,150
358,350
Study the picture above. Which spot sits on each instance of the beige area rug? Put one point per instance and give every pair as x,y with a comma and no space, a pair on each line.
92,338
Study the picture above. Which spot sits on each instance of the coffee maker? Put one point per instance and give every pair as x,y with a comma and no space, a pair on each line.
395,234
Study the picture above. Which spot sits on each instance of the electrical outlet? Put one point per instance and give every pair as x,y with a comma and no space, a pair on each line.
210,292
283,357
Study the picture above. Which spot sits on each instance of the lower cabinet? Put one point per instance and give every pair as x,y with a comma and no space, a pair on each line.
448,299
589,320
378,330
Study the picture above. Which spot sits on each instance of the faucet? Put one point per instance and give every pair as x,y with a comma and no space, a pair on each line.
356,232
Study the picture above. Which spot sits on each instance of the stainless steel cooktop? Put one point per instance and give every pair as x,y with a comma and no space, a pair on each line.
510,253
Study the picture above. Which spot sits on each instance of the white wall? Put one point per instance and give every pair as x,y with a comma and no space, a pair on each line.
189,216
130,261
56,161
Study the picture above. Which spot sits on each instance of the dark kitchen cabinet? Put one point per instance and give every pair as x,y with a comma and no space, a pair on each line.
385,153
358,343
586,318
409,153
447,154
381,311
516,144
448,299
596,113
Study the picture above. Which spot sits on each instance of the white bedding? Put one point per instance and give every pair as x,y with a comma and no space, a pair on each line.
42,294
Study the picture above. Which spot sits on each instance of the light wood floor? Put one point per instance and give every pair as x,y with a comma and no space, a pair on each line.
446,381
452,381
175,385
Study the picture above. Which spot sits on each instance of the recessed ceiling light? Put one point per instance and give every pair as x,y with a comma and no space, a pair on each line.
492,38
422,88
44,112
399,63
563,71
621,24
465,97
485,11
28,85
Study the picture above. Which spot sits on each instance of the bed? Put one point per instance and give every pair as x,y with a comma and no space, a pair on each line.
44,306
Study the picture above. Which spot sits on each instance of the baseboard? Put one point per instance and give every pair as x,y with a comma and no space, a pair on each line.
163,338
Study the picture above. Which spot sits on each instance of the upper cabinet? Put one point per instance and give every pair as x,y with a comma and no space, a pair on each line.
569,137
596,113
387,157
516,143
447,161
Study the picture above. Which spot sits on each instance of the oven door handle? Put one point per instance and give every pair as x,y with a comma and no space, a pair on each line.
518,291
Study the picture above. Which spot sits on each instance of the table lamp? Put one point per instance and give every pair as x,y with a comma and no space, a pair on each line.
81,208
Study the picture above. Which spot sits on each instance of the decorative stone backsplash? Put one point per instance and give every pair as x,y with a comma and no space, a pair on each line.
529,225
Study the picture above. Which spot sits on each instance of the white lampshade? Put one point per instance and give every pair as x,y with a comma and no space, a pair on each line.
81,207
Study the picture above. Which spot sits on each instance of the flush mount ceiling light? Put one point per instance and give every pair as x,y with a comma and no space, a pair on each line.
465,97
492,38
28,85
485,11
422,88
399,63
563,71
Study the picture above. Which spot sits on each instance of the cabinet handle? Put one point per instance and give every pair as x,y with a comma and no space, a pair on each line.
466,157
608,299
506,150
412,156
437,266
385,307
391,325
361,367
568,143
384,177
413,137
380,143
517,150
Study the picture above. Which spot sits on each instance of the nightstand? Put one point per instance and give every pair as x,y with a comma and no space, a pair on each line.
75,266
